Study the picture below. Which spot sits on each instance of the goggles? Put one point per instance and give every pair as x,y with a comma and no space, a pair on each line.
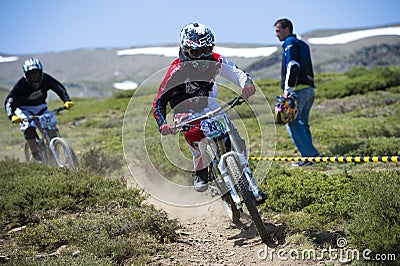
34,76
200,52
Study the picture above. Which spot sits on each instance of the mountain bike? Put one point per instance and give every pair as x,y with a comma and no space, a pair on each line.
53,149
229,174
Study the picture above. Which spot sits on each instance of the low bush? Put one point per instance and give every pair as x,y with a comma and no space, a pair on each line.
121,233
327,197
100,161
31,192
52,208
360,81
362,206
375,219
373,146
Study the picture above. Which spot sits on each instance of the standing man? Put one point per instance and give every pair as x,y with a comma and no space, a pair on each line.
297,79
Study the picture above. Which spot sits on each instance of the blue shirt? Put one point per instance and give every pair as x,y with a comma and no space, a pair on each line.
296,53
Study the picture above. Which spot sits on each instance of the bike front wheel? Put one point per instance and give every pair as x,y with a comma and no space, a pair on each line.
28,153
63,154
227,202
236,174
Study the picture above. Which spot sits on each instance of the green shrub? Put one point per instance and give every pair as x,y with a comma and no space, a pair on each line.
373,146
360,81
107,223
328,196
375,219
300,223
123,94
30,192
67,259
100,161
111,231
357,72
364,205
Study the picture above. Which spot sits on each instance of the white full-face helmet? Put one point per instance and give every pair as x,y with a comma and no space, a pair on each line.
196,41
33,72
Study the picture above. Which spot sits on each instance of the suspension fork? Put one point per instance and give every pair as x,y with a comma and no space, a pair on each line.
230,184
244,167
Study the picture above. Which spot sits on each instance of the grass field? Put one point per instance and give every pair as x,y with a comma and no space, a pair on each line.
355,114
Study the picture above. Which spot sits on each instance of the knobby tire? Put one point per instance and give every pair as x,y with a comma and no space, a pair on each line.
238,176
228,204
63,153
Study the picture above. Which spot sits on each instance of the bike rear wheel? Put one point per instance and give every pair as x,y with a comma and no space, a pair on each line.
63,153
236,174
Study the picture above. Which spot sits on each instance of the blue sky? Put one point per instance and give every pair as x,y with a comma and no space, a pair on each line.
34,27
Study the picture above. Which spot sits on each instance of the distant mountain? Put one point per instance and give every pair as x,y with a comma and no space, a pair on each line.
375,50
370,56
92,72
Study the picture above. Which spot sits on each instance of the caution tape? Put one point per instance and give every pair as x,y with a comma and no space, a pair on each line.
357,159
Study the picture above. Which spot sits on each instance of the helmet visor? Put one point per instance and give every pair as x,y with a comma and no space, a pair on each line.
200,52
34,76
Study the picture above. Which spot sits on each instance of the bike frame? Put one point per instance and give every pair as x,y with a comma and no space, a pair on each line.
222,154
233,168
49,139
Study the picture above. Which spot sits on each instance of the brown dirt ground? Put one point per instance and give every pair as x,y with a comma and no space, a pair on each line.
208,237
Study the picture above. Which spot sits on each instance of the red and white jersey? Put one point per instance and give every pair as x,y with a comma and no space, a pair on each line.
188,85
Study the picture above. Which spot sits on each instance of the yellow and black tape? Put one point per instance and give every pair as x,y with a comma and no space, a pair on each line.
353,159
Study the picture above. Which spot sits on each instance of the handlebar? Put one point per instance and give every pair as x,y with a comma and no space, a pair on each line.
236,101
185,126
59,109
55,111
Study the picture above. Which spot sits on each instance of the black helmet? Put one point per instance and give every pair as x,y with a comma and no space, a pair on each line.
196,41
33,72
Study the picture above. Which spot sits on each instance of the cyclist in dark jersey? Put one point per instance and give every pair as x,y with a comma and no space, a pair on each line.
28,97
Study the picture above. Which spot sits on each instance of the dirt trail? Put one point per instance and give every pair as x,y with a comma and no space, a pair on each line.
208,237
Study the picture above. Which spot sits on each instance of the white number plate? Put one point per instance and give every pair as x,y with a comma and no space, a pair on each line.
48,120
214,127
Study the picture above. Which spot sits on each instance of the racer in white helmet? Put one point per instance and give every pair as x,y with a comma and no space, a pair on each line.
189,87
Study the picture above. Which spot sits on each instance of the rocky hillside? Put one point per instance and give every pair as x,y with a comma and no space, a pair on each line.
368,52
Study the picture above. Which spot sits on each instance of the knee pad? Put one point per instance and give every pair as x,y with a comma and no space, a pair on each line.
30,133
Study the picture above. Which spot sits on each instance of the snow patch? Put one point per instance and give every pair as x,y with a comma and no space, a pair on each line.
125,85
8,59
354,36
246,52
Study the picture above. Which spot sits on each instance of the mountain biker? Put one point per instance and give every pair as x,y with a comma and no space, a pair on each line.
189,86
28,97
